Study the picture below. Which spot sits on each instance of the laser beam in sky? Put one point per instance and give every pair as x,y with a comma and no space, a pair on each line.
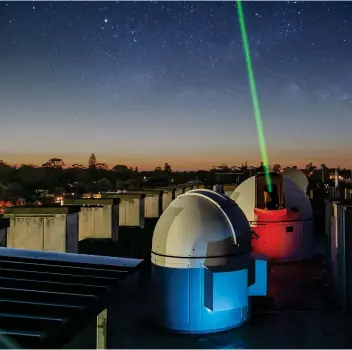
255,100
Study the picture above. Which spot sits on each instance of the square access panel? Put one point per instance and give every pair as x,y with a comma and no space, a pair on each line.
225,289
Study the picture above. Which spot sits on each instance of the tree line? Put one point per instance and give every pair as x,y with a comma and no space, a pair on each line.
53,176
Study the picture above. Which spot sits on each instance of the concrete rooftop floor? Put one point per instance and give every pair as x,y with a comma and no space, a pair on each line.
296,314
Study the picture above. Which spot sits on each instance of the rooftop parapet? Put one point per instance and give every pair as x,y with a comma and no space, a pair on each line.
91,201
40,210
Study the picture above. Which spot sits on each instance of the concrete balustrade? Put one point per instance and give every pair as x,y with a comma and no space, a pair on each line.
43,228
98,218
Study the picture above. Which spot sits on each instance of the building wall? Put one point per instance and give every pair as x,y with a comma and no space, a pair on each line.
48,233
98,221
26,233
54,233
87,223
152,207
168,197
131,212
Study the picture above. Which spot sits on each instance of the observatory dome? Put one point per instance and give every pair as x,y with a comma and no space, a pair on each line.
298,177
283,233
201,223
295,197
201,257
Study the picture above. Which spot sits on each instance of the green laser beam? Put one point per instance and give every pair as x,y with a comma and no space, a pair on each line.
255,100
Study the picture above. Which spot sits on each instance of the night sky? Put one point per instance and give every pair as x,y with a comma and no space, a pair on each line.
143,83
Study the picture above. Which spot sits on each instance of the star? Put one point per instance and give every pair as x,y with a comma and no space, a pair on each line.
131,60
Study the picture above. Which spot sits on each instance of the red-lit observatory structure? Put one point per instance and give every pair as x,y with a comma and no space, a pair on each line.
282,221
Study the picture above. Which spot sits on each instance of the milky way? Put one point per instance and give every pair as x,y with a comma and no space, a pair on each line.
147,79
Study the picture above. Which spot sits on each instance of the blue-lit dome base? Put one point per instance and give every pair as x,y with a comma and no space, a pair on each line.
193,332
199,300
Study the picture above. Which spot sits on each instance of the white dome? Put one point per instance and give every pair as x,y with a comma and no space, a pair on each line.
298,177
201,223
245,193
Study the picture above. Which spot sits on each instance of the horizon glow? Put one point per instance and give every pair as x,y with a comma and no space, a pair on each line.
148,83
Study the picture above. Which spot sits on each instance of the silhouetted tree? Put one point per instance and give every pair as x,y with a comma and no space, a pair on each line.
6,172
119,184
260,168
223,168
102,166
2,191
53,174
220,168
13,190
309,168
92,162
122,169
158,169
59,191
167,167
54,163
30,177
104,184
276,168
131,184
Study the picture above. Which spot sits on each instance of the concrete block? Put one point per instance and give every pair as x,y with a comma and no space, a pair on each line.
169,194
153,202
168,197
43,228
132,210
99,218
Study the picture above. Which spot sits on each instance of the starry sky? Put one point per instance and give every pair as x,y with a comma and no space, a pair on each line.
142,83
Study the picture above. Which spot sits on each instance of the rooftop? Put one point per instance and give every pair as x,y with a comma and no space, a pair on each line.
41,210
91,201
297,314
47,298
